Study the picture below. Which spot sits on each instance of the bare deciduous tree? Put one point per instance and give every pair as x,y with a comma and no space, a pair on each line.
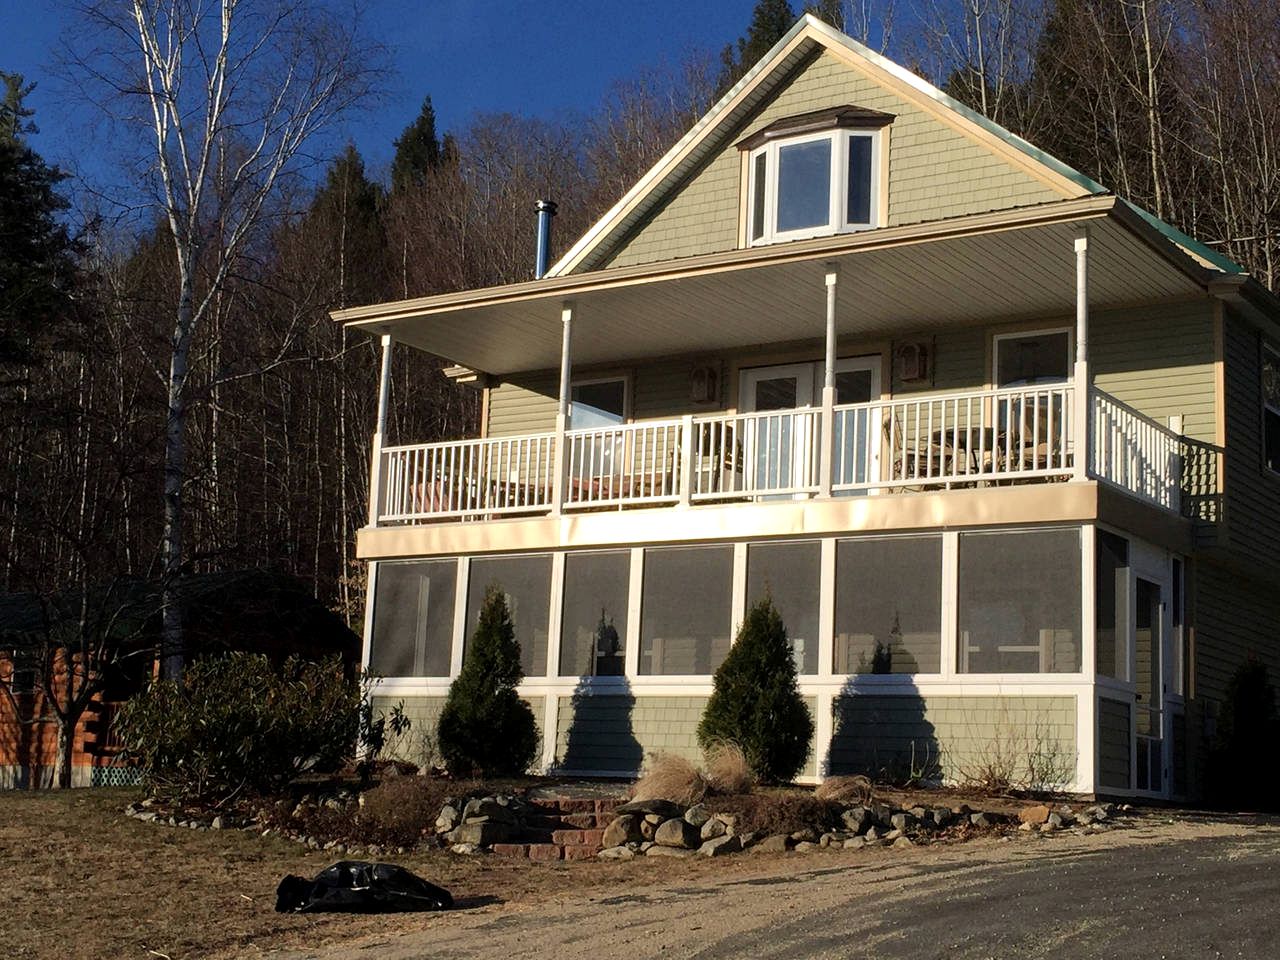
228,95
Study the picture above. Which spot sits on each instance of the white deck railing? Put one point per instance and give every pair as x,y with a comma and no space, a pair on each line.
944,439
925,442
1133,452
770,453
467,478
633,463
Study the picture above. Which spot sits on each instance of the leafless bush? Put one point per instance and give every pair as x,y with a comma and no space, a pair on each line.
670,777
845,790
1018,759
727,769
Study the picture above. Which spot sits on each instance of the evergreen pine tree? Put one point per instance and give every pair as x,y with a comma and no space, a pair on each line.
769,21
347,210
418,151
485,726
756,702
38,257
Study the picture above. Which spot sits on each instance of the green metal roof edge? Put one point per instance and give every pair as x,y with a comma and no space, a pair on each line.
1170,232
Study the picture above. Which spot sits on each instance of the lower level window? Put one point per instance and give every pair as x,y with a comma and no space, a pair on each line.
413,605
526,582
686,614
593,623
788,574
888,605
1019,602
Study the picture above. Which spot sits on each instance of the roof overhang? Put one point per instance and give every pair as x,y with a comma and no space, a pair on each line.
983,268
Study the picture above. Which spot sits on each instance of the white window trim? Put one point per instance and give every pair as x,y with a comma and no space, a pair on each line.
839,187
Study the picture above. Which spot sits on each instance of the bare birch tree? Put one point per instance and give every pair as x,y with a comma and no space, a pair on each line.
228,93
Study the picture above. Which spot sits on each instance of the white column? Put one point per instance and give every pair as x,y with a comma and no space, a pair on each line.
827,455
560,469
1080,375
380,430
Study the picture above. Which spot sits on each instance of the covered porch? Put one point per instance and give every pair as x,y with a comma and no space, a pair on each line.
1062,259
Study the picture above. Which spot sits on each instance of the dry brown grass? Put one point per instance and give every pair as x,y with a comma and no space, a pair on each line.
777,811
727,769
847,790
669,777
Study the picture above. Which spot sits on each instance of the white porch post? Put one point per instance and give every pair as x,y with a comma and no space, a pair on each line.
560,469
828,428
1080,375
379,433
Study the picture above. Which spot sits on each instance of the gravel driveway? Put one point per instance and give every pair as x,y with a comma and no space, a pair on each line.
1189,887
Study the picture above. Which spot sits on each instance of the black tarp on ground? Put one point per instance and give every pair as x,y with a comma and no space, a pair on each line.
358,886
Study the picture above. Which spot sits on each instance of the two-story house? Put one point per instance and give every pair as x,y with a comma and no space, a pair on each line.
1003,449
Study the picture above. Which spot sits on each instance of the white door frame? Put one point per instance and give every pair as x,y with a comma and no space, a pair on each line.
1154,566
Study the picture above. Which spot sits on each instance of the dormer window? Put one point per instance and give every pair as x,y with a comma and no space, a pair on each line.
815,175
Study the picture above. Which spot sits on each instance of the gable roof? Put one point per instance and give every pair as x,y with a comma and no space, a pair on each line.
806,39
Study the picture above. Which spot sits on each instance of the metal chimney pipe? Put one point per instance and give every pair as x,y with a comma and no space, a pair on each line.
546,210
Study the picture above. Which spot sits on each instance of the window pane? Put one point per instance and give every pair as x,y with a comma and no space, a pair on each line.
685,610
602,404
1036,358
757,197
1111,602
804,185
594,621
789,573
859,207
1019,602
413,619
1271,440
527,583
889,605
853,386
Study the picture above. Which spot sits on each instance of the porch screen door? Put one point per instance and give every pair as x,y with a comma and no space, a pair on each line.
777,448
1148,636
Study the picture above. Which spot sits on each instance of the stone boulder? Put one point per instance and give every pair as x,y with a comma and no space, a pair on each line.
721,846
480,832
1035,814
713,828
678,833
624,829
697,815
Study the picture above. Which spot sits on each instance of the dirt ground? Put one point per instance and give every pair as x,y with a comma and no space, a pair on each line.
83,881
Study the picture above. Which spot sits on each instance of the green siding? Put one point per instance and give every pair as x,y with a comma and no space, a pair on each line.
935,171
612,733
1252,491
1161,360
615,733
956,737
1114,744
419,744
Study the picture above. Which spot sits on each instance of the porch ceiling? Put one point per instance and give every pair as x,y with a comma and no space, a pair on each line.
990,267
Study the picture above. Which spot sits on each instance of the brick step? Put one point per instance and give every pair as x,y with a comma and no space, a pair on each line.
547,851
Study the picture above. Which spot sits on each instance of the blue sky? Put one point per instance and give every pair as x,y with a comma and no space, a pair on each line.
536,57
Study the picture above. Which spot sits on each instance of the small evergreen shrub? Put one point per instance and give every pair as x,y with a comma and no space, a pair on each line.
238,722
485,727
756,702
1243,770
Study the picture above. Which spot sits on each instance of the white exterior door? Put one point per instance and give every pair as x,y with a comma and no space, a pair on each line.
778,449
856,457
